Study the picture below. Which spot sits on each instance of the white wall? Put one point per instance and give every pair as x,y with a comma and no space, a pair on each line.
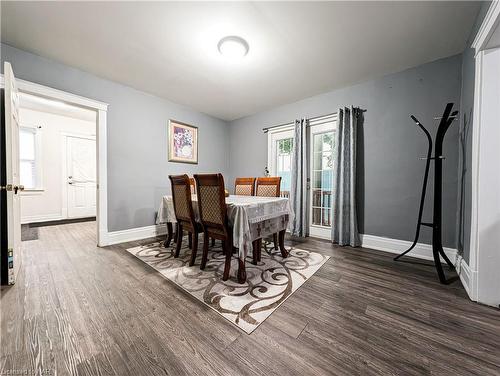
50,203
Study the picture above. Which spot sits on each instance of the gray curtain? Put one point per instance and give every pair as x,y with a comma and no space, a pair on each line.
298,189
344,221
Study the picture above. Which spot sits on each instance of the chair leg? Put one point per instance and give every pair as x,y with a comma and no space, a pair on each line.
179,240
176,232
275,240
190,240
205,252
259,250
255,245
213,242
170,233
194,249
228,249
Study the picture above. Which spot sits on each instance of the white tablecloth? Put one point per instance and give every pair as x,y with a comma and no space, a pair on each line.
251,217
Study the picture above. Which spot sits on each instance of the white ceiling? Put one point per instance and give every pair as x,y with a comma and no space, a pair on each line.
296,49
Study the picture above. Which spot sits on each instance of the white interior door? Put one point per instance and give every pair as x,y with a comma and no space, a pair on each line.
81,179
321,170
12,168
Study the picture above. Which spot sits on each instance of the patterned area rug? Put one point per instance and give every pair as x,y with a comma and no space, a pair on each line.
247,305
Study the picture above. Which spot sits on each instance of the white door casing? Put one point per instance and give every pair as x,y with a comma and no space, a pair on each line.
80,176
102,173
12,169
488,204
484,258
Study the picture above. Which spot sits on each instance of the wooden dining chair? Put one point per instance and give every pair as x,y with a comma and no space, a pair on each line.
184,214
213,216
244,186
269,187
192,184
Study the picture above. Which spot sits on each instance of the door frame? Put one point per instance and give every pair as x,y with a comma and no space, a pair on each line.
101,110
470,277
322,124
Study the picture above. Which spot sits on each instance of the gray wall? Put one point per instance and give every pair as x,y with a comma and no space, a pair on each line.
137,137
465,170
390,173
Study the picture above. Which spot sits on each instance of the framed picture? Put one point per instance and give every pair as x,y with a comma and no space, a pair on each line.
182,142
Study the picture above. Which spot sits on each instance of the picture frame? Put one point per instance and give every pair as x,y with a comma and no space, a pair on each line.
182,142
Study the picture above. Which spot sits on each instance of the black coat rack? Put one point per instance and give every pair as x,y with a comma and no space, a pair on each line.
436,224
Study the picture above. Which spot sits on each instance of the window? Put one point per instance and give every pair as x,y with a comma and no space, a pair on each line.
29,158
280,144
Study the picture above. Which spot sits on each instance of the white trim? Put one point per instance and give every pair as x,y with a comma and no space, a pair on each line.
102,157
138,233
476,131
41,218
396,246
321,125
286,127
468,278
490,21
51,93
272,137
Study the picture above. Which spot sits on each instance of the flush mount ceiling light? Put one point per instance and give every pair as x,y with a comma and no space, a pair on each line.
233,47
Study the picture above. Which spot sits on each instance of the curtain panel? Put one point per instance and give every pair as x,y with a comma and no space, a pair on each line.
344,221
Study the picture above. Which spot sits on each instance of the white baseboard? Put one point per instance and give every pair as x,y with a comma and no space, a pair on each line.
41,218
139,233
421,250
468,278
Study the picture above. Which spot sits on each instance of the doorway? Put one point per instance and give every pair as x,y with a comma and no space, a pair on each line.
57,152
29,166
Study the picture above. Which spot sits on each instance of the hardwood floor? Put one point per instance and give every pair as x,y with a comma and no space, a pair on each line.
81,310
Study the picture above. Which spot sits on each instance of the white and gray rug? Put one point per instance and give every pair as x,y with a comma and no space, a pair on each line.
247,305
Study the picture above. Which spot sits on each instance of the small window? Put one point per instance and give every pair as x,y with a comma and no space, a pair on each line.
30,158
280,144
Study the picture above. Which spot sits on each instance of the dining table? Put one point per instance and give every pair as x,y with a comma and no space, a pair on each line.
251,218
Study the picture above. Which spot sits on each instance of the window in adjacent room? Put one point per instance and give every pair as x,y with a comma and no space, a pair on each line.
30,164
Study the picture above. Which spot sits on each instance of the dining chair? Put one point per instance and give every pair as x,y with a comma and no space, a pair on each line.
269,187
184,214
192,185
244,186
213,216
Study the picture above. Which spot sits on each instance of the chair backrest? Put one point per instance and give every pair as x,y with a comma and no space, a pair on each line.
181,194
212,202
193,185
268,187
244,186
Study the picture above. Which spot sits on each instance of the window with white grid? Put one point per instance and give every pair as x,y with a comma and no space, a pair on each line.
29,158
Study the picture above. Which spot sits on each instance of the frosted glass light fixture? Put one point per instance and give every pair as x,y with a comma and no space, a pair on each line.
233,47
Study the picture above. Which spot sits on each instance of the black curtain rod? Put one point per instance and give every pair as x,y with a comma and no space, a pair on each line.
313,118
